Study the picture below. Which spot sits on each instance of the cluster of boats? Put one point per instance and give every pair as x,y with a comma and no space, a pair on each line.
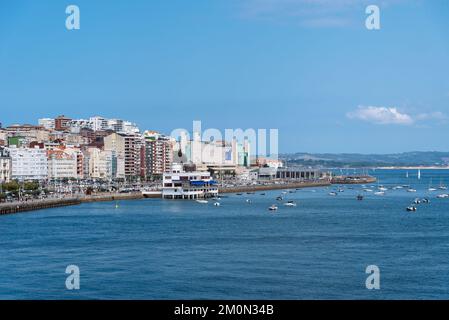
413,206
273,207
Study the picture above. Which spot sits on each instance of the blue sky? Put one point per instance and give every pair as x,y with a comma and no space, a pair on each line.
308,68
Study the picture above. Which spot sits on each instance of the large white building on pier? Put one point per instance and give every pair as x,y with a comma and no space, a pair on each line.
180,184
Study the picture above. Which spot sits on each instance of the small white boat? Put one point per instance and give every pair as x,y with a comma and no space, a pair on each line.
248,201
290,204
273,207
202,201
383,189
432,189
411,209
368,190
217,204
332,194
443,196
417,201
411,190
379,193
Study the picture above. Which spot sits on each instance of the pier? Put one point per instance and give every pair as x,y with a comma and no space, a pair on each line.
32,205
353,179
16,207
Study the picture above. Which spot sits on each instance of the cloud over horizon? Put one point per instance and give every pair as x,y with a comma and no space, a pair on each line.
393,116
380,115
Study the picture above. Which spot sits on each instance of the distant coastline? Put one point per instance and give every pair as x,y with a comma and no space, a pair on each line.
412,168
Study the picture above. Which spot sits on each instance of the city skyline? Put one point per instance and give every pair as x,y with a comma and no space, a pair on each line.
319,76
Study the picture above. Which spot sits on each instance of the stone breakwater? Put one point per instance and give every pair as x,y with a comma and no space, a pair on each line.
16,207
32,205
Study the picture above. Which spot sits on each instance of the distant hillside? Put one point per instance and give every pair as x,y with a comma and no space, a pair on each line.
431,158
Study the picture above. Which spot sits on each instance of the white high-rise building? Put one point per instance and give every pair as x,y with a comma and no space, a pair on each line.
47,123
61,165
28,163
98,123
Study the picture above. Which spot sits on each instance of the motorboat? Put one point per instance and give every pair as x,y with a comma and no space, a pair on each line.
217,204
411,190
379,193
411,208
290,204
443,196
202,201
273,207
332,194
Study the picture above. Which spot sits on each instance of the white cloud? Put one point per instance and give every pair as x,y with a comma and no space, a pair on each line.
381,115
385,115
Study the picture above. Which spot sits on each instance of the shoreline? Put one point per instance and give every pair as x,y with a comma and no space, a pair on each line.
17,207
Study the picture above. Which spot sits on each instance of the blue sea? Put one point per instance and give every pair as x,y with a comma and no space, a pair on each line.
164,249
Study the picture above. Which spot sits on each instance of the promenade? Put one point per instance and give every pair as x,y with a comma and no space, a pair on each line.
69,200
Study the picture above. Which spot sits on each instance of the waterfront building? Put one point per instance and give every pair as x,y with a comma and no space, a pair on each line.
273,163
116,125
3,137
213,153
158,153
47,123
128,148
78,124
62,165
28,133
299,174
98,123
62,123
5,165
101,164
181,184
28,163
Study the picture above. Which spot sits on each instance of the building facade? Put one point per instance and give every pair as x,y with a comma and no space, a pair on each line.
179,184
28,164
158,154
5,165
62,165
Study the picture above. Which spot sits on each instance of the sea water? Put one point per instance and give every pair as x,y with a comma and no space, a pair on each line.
180,249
